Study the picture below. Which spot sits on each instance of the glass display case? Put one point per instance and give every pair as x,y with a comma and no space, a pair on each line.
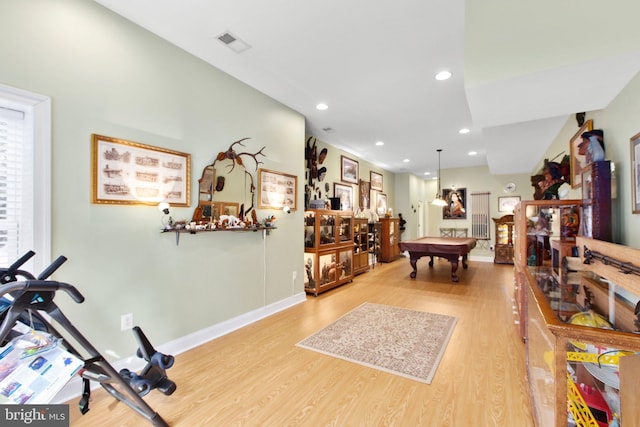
504,240
328,242
583,339
360,245
537,224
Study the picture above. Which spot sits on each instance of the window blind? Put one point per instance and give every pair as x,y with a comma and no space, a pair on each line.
16,205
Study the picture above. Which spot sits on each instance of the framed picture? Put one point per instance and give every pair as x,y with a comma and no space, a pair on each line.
507,204
635,173
129,173
348,170
376,181
277,190
456,200
365,196
578,156
345,194
381,204
230,208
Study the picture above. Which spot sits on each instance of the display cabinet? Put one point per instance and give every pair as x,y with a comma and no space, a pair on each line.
504,240
583,346
360,245
328,252
389,239
374,241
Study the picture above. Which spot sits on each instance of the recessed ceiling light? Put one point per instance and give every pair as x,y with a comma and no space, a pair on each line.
379,143
427,173
406,160
472,153
322,106
443,75
464,130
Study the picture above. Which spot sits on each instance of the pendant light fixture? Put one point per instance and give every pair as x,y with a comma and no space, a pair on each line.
439,201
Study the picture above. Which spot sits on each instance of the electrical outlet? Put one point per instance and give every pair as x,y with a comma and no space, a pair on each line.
126,322
294,275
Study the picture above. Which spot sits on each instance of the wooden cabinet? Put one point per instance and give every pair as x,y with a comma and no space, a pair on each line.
389,239
582,344
374,241
504,240
328,251
536,224
360,245
596,201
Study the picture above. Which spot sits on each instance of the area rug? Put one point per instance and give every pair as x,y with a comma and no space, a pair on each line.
405,342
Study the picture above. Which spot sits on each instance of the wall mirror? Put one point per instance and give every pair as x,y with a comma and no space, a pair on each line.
226,187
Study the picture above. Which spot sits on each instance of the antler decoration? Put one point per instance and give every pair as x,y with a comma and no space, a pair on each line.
237,157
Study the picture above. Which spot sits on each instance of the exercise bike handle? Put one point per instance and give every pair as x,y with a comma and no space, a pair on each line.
24,258
11,273
52,267
42,286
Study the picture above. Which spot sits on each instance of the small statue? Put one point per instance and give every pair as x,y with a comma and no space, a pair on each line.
401,222
592,146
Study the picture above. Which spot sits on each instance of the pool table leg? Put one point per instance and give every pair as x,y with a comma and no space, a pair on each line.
413,262
454,268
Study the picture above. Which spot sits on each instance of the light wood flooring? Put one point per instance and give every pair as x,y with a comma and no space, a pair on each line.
256,376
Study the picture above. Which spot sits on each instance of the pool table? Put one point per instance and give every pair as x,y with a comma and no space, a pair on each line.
450,248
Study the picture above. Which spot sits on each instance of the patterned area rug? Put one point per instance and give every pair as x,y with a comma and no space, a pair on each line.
405,342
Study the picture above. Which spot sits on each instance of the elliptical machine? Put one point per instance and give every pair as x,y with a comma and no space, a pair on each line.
24,298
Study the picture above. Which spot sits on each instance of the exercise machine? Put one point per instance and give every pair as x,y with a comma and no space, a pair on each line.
29,299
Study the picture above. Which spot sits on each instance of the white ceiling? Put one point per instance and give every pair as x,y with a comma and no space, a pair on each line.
519,70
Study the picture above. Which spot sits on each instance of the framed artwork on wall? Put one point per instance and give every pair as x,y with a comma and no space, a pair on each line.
507,204
277,190
635,173
578,156
456,199
381,204
130,173
364,190
345,194
376,181
349,170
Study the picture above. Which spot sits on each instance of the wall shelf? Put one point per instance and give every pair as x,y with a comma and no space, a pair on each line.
179,231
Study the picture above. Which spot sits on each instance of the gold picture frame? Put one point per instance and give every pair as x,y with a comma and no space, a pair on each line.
277,190
130,173
376,180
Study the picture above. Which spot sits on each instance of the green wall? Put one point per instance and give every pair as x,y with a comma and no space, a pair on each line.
475,180
619,122
108,76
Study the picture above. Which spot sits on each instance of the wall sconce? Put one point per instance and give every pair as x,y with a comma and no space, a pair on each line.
286,209
166,221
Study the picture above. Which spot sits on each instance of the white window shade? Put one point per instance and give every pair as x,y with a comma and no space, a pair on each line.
16,188
25,175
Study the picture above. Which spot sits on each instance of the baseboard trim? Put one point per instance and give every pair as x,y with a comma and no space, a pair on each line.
73,389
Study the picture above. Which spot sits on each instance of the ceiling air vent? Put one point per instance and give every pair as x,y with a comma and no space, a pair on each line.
226,38
233,42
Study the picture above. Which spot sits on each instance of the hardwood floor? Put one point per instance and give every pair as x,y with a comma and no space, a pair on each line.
256,376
